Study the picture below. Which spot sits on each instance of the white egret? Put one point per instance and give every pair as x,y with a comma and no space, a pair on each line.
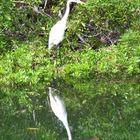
58,107
56,34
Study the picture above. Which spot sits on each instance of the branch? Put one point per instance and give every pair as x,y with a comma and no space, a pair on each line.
35,8
21,3
45,2
82,40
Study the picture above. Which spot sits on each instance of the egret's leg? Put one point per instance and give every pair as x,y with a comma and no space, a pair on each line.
56,58
56,62
59,53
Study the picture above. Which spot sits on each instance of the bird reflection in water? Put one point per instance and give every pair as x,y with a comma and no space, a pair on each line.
58,108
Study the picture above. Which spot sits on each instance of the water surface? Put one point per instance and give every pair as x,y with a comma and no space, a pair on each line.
109,110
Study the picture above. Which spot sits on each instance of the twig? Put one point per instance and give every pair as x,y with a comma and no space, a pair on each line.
90,36
35,8
81,38
21,3
45,2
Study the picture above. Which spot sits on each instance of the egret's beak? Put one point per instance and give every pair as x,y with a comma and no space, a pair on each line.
81,2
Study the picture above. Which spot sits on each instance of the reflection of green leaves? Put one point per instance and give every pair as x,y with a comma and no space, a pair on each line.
108,110
109,107
96,107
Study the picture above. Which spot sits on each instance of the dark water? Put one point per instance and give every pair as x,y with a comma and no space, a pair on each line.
109,110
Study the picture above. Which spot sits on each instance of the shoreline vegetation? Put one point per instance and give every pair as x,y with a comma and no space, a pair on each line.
102,40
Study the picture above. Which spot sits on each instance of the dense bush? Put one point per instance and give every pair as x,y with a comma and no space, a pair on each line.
102,37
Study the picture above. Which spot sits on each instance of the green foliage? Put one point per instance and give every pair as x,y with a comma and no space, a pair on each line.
102,41
24,34
6,10
108,109
97,18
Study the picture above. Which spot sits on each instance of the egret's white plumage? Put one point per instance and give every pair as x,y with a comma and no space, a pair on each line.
57,31
58,107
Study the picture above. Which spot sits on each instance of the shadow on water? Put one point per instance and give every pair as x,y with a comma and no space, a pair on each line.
108,110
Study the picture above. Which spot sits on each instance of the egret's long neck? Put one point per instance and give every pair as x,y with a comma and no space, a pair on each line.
67,12
68,130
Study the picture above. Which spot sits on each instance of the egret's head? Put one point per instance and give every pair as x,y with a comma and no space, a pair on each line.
76,1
